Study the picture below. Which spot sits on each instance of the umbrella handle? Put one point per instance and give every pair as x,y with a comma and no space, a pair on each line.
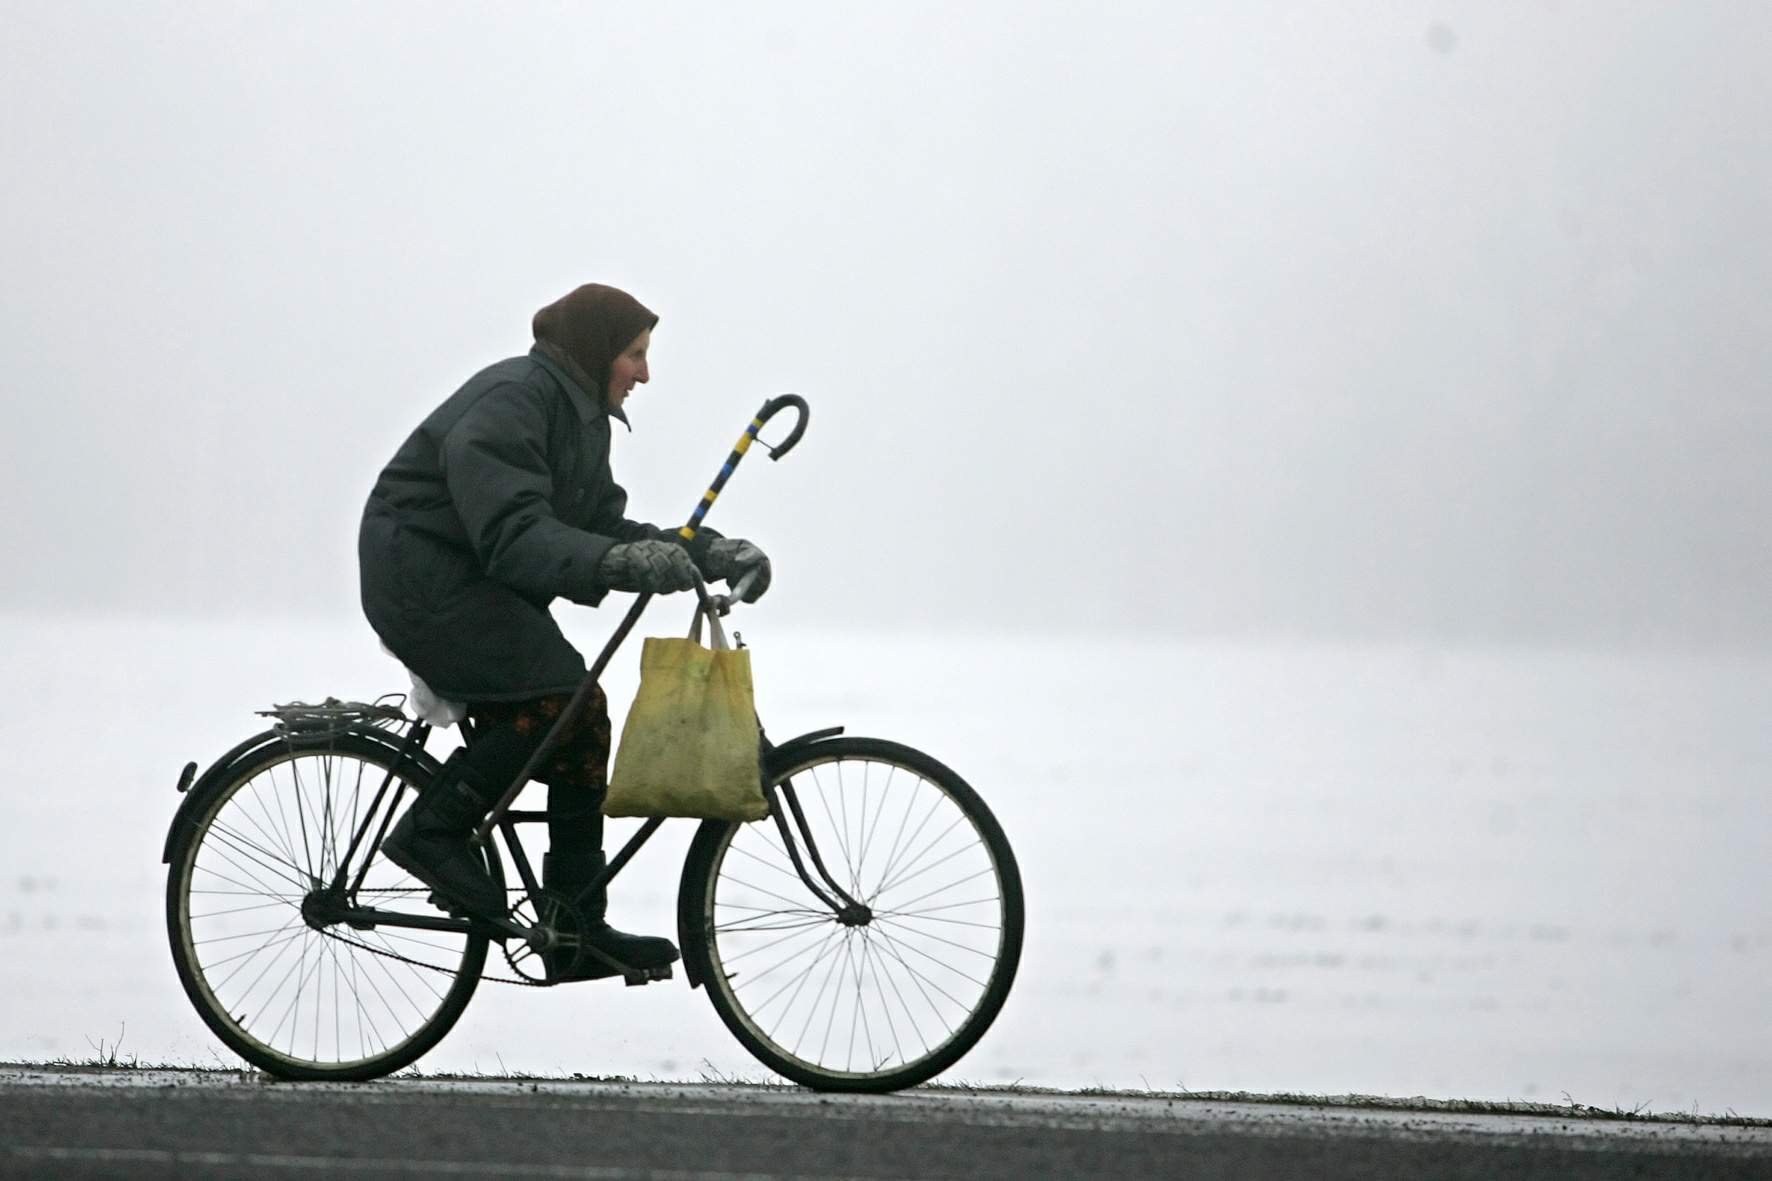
769,410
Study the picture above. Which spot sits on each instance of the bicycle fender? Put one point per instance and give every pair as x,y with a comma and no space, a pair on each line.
194,793
691,938
793,746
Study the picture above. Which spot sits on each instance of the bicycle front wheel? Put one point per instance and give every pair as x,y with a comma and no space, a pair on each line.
881,1000
268,965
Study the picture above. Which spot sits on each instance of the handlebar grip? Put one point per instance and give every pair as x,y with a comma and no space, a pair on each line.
742,587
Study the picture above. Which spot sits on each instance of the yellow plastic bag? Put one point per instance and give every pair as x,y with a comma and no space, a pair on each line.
690,745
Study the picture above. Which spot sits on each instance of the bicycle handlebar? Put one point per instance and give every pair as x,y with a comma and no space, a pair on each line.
723,604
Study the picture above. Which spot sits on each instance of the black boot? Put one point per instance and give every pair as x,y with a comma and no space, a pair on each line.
569,875
434,840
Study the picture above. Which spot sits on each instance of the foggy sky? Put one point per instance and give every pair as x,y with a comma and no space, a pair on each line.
1440,322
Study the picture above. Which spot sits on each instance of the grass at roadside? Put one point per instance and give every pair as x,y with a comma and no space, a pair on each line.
110,1062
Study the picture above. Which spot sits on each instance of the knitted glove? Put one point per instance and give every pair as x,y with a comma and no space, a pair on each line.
732,558
655,567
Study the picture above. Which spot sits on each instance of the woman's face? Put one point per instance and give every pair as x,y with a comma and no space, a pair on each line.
628,368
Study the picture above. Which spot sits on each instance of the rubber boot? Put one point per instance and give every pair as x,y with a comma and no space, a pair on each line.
569,875
434,840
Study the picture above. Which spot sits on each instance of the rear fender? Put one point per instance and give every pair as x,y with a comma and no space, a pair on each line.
195,793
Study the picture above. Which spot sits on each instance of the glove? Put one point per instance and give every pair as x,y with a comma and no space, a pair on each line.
653,567
732,558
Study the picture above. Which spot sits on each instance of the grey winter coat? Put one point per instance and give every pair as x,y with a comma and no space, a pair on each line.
499,502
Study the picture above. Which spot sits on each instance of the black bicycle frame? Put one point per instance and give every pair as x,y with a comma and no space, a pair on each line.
826,888
503,818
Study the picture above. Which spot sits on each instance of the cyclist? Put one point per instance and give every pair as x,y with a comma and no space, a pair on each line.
501,501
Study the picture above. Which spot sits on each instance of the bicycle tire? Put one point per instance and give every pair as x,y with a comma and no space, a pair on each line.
893,963
259,834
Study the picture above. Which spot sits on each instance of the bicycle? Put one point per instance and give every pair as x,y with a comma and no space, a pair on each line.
313,958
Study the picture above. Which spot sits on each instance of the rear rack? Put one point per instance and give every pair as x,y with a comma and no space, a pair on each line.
332,717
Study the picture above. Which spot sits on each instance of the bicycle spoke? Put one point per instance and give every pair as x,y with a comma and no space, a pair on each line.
986,955
246,956
971,877
794,934
861,816
764,928
786,873
899,910
893,860
421,977
270,822
943,964
794,902
806,911
836,995
241,935
301,815
920,980
868,841
817,1000
860,1014
817,958
905,869
818,786
301,963
750,980
920,918
273,834
887,1009
231,842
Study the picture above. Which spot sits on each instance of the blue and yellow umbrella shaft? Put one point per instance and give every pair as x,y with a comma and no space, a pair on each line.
687,532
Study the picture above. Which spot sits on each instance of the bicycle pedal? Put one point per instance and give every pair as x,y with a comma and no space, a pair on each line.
646,975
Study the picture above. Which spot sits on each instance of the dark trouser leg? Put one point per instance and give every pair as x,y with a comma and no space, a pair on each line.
576,772
433,840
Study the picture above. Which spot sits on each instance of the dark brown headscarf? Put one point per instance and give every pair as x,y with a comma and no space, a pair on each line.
585,331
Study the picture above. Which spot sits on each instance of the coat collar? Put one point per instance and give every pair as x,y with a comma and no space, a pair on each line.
589,409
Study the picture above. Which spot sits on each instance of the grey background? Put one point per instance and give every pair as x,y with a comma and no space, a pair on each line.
1373,320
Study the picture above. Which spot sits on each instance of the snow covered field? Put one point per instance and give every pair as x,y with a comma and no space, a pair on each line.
1478,873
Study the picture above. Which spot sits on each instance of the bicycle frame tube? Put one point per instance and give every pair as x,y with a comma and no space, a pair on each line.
415,741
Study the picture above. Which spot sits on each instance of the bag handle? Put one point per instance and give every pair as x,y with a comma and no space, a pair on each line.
718,634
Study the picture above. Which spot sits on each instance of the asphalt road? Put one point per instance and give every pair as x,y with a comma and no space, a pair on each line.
177,1124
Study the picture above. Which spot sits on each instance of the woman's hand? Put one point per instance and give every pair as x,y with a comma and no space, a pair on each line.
649,567
732,558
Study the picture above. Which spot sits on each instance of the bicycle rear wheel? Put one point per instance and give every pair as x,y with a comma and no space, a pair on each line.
282,982
872,1004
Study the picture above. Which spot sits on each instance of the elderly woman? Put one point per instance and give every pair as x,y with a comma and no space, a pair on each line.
501,501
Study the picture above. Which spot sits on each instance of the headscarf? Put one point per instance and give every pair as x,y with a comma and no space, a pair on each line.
585,331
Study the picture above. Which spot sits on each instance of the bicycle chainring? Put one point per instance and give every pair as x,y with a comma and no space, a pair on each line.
558,926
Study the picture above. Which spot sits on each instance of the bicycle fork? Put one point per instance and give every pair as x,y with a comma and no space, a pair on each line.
849,912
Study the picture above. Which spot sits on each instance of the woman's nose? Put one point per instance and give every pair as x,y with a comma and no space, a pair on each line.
644,375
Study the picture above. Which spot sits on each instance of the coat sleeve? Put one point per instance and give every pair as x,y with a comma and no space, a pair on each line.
612,523
495,467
